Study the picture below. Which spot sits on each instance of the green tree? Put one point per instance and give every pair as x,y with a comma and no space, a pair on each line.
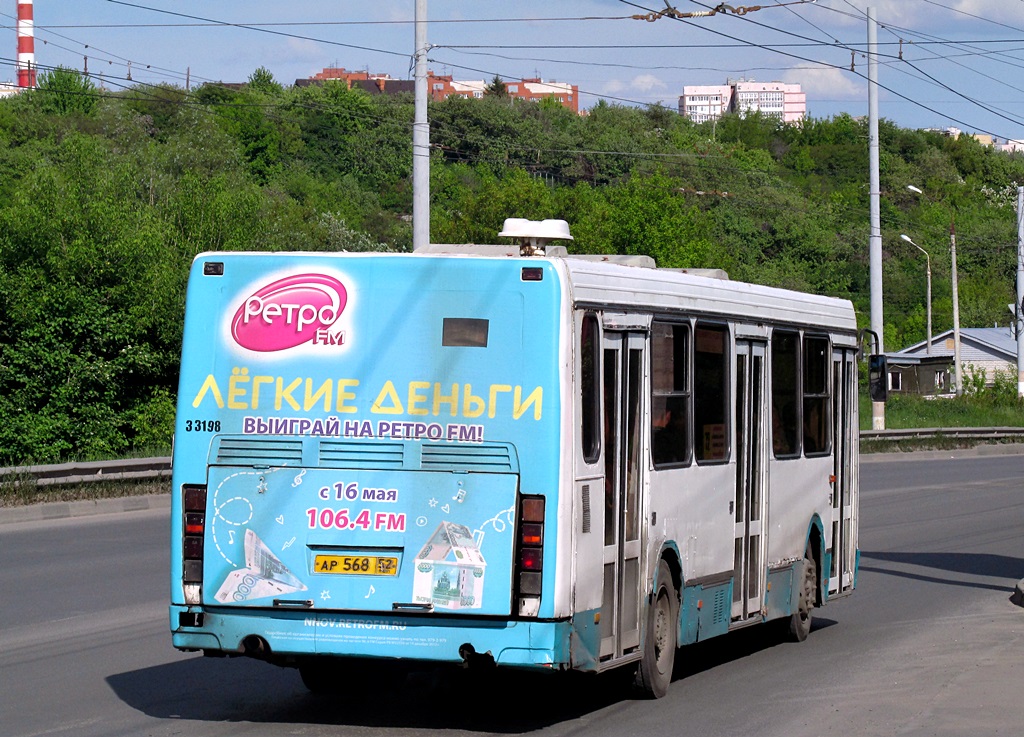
65,91
262,80
497,87
162,108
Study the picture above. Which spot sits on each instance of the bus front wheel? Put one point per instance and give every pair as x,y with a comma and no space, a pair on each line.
655,672
800,620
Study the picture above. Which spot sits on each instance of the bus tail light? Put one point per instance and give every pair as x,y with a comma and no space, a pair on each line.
530,559
194,505
530,555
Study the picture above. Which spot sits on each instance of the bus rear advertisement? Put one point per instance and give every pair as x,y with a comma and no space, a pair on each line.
529,460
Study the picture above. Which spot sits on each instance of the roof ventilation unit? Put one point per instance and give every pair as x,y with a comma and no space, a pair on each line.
534,235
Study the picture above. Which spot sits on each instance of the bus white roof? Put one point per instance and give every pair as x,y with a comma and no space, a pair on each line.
671,290
627,282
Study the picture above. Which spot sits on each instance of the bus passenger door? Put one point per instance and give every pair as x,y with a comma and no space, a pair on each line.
623,366
844,432
751,467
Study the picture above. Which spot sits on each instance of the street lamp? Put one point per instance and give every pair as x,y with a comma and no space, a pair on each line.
906,237
957,369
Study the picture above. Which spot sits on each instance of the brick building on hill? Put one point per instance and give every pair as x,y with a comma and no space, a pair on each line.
442,86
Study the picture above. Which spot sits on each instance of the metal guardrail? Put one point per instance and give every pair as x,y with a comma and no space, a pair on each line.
954,433
133,469
152,469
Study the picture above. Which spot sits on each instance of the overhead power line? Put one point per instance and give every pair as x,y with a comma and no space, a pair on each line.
323,23
773,48
972,15
259,29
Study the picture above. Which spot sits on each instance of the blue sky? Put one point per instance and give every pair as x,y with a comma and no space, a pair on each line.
962,60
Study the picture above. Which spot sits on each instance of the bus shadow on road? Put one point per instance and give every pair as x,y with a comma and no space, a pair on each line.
496,701
965,566
245,690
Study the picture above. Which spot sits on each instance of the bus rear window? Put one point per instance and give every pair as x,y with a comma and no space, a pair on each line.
464,331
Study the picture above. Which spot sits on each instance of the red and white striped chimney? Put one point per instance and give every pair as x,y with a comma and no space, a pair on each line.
26,45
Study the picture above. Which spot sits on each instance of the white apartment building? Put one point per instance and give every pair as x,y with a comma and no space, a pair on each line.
701,103
777,99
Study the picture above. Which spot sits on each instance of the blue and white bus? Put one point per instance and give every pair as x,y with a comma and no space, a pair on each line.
507,455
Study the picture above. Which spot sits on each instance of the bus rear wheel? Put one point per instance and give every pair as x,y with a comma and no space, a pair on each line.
800,620
655,672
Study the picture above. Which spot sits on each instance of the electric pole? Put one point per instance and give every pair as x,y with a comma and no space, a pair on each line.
874,194
958,370
421,138
1018,313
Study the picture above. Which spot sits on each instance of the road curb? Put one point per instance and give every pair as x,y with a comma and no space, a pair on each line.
1000,449
83,508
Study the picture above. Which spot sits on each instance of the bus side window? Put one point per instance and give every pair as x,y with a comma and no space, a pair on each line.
785,393
711,392
817,427
590,395
670,393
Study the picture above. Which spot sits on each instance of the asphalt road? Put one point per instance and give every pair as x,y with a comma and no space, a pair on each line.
928,645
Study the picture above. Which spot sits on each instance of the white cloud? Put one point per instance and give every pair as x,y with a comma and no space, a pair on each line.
941,14
642,88
824,82
648,83
994,10
300,49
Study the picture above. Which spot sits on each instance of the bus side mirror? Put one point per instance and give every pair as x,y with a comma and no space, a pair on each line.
878,387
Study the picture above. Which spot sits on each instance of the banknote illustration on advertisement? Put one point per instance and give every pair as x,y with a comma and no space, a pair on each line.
450,569
264,575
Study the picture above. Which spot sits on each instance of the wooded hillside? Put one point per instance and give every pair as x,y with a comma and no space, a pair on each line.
107,197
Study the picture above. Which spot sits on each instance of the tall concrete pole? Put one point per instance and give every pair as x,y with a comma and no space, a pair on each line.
958,367
928,273
421,138
1019,310
874,193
